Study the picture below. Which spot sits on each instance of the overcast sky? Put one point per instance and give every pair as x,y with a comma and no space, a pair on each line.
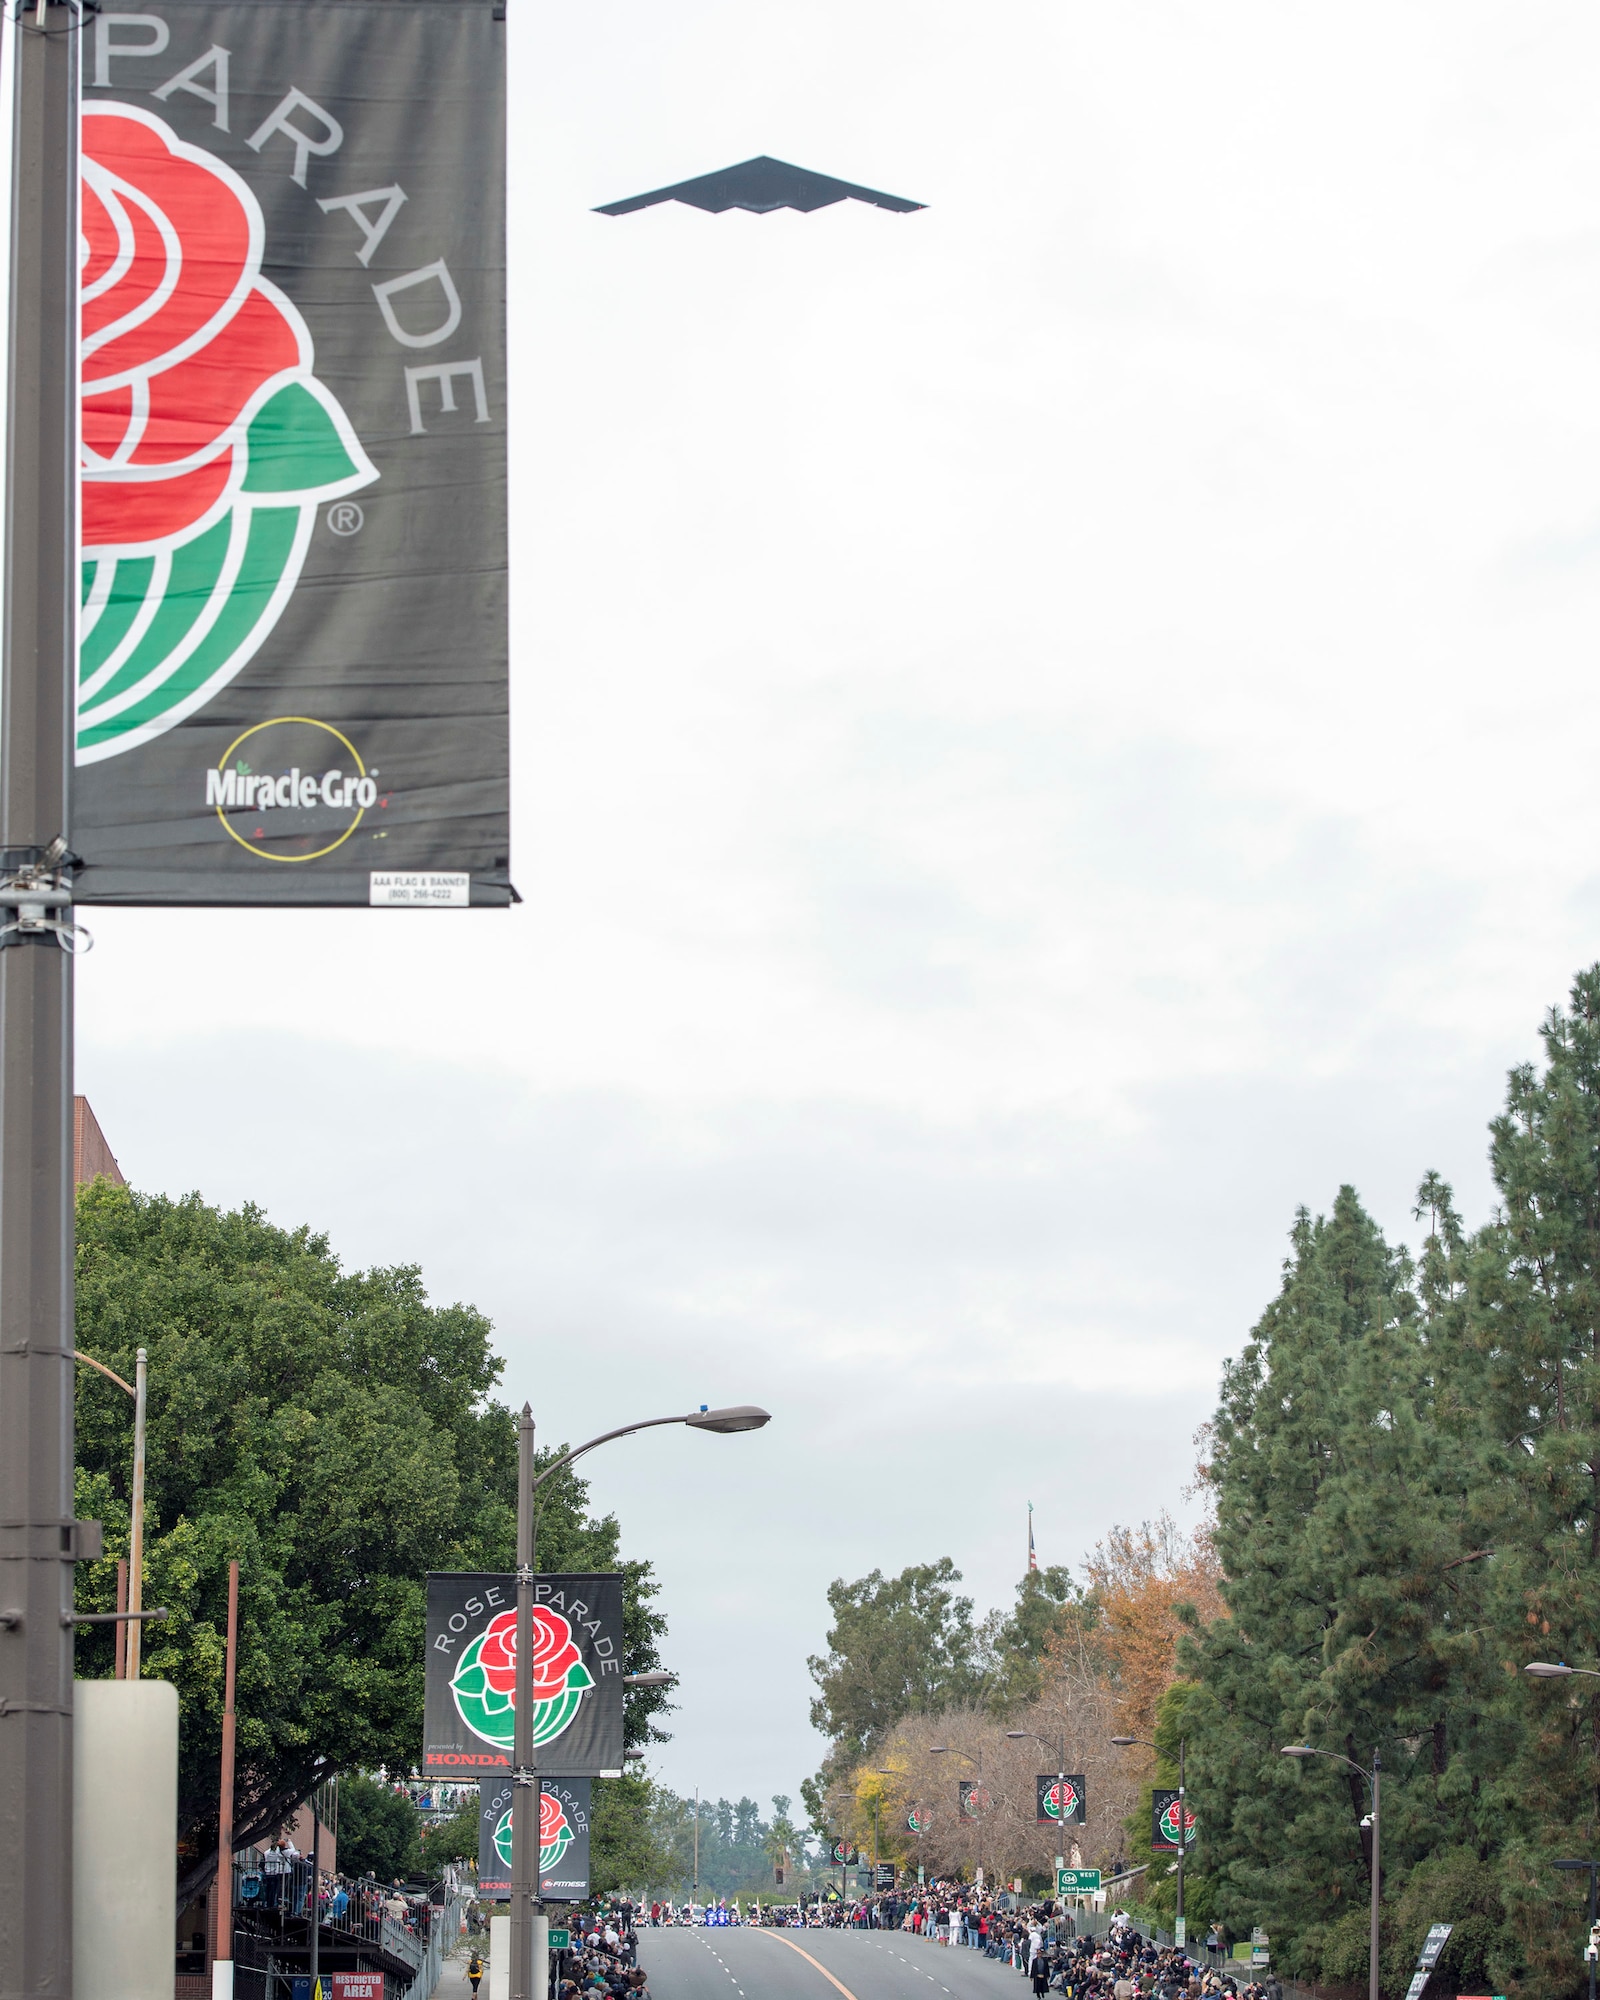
1048,732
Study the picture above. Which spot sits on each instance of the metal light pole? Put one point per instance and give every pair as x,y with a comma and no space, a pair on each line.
136,1516
1060,1747
128,1641
1179,1934
39,1540
129,1635
314,1898
526,1913
876,1803
1594,1876
944,1750
1558,1670
1373,1778
222,1963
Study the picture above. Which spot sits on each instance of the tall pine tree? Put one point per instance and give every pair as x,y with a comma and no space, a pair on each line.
1534,1311
1352,1594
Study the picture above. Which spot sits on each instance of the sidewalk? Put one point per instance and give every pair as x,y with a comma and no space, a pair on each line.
453,1977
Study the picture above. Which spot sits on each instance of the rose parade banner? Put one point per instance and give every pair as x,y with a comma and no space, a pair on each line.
564,1813
973,1799
468,1721
292,636
1060,1801
1164,1822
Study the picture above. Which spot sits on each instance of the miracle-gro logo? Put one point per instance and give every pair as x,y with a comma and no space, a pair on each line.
294,788
305,803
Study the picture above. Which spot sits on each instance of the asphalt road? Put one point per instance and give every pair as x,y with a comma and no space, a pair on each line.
693,1963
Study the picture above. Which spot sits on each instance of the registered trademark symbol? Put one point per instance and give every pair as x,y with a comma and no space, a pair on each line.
346,518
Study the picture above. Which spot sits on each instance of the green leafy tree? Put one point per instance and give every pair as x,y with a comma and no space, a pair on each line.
452,1839
336,1433
898,1645
378,1830
783,1843
1012,1653
626,1845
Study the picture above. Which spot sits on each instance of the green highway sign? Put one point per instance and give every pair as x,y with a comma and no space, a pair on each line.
1077,1881
560,1940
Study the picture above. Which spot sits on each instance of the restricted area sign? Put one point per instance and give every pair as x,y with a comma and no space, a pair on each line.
1077,1881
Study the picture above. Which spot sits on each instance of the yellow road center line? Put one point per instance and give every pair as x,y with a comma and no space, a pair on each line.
778,1938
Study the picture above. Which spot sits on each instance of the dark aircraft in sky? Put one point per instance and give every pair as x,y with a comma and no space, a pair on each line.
761,185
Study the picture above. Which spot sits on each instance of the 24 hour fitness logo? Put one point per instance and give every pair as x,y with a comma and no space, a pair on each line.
555,1833
483,1684
1061,1800
292,789
208,443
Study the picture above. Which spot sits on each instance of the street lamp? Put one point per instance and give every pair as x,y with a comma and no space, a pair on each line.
877,1802
1373,1778
525,1775
944,1750
1060,1747
1179,1934
916,1824
1558,1670
1594,1878
129,1668
834,1799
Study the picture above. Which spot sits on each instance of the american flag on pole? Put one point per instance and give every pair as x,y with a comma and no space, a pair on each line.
1033,1560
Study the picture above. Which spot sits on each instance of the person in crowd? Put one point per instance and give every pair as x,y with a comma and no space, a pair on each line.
276,1865
474,1973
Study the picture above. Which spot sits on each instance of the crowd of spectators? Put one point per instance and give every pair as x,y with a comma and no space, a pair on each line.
602,1962
277,1884
1118,1963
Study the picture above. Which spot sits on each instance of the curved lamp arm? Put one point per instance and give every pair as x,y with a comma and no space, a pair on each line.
741,1417
1307,1750
110,1374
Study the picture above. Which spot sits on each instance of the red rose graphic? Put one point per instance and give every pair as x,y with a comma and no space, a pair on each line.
551,1818
554,1654
180,332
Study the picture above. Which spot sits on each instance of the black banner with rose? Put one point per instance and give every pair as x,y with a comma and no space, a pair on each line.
973,1799
293,648
565,1809
467,1712
1164,1822
1060,1801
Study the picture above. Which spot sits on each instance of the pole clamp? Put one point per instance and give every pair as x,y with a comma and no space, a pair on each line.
527,1576
36,895
524,1777
32,1708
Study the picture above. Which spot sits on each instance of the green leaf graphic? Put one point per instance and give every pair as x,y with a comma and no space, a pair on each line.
294,446
191,590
